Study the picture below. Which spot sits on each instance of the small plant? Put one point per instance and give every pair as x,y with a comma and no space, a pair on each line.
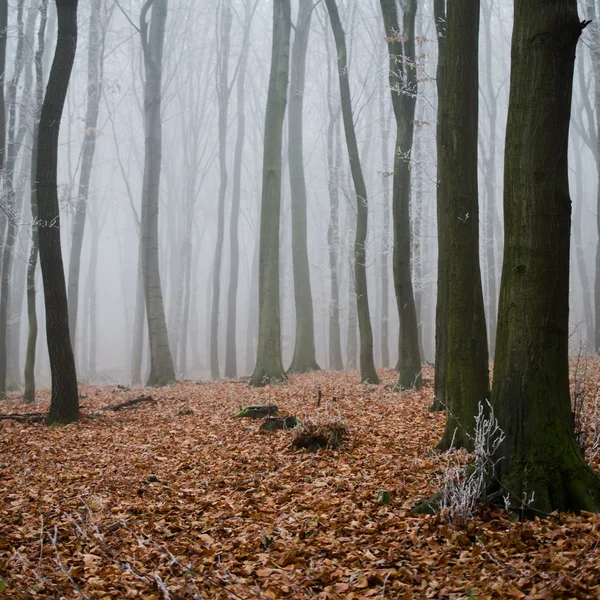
464,488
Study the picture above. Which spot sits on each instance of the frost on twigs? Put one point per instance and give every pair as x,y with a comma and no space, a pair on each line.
315,433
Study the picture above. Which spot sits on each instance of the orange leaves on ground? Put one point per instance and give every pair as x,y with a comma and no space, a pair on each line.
179,499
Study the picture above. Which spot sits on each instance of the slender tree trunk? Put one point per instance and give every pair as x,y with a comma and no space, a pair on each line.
3,36
223,93
403,86
269,363
64,406
384,256
251,340
531,396
368,372
352,321
29,393
304,359
467,376
93,306
94,93
236,193
441,311
162,371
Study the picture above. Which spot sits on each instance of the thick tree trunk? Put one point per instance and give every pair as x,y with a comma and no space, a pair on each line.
441,311
223,94
64,406
29,374
153,35
467,375
368,372
531,397
403,87
94,93
304,359
269,363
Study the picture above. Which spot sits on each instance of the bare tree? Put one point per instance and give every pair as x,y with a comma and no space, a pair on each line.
64,406
269,363
367,364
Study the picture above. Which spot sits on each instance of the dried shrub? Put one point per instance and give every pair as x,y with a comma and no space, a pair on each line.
586,413
327,432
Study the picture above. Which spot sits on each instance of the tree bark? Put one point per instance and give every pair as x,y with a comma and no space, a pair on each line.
304,359
467,368
64,405
368,372
162,371
269,363
403,87
3,36
531,396
441,312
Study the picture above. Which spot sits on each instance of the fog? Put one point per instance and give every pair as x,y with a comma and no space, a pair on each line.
191,179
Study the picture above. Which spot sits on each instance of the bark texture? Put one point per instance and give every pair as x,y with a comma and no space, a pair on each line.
64,405
162,371
403,87
269,362
531,395
467,369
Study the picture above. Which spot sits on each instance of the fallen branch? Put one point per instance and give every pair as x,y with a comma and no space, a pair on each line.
130,403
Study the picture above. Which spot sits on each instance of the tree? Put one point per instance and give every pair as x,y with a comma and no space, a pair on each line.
29,374
304,359
269,363
403,88
467,375
90,134
439,381
3,36
64,405
223,94
367,364
152,35
531,397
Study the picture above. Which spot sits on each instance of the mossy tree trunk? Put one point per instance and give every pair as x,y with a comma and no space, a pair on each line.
152,35
269,362
439,381
403,87
64,404
531,376
466,360
304,359
368,372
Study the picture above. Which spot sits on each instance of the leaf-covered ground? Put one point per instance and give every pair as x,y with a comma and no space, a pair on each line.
178,499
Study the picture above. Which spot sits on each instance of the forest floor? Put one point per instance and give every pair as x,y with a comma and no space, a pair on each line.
179,499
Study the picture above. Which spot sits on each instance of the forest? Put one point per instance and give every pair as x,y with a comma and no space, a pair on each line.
299,299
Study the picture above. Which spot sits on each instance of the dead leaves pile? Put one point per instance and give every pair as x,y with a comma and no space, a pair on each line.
178,499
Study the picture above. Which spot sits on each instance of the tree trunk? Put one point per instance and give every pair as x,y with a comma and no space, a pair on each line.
531,397
3,36
304,359
441,337
467,369
223,94
64,406
368,372
13,144
29,374
94,93
236,193
403,87
153,35
269,363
